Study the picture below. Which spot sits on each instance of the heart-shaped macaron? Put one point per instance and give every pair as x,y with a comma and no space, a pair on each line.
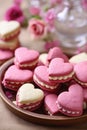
10,45
41,78
56,52
80,73
15,77
25,58
5,55
9,29
60,71
78,58
28,97
50,104
71,102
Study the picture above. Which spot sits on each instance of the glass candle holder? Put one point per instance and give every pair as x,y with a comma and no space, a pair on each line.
71,26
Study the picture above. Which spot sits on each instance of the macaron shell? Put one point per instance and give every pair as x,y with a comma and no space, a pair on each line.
24,55
28,94
72,101
41,73
5,54
28,97
61,68
15,74
56,52
80,70
9,29
10,45
78,58
50,103
53,53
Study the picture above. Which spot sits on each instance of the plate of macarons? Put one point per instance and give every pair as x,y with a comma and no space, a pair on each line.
47,88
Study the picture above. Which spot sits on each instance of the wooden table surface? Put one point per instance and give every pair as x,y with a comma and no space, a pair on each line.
9,121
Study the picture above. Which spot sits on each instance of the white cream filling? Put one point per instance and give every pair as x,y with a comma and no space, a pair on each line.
15,82
30,64
13,86
67,111
61,77
43,84
82,83
29,107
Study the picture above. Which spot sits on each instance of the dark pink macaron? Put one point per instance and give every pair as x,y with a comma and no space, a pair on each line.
56,52
60,71
15,77
5,55
41,78
50,104
70,102
25,58
80,70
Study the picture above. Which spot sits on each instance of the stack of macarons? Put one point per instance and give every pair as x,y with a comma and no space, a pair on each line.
49,80
9,41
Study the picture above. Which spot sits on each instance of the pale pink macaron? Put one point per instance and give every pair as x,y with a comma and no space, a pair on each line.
28,97
26,58
10,45
50,104
80,70
5,55
43,59
9,30
56,52
15,77
60,71
78,58
41,78
70,102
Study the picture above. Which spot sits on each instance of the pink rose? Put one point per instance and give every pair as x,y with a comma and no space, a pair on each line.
84,4
34,10
15,13
50,16
37,28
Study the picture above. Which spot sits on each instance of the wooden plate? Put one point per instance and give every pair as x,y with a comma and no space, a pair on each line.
36,117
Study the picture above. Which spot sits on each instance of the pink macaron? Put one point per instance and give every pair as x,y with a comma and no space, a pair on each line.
80,73
5,55
50,104
60,71
41,78
25,58
15,77
70,102
56,52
